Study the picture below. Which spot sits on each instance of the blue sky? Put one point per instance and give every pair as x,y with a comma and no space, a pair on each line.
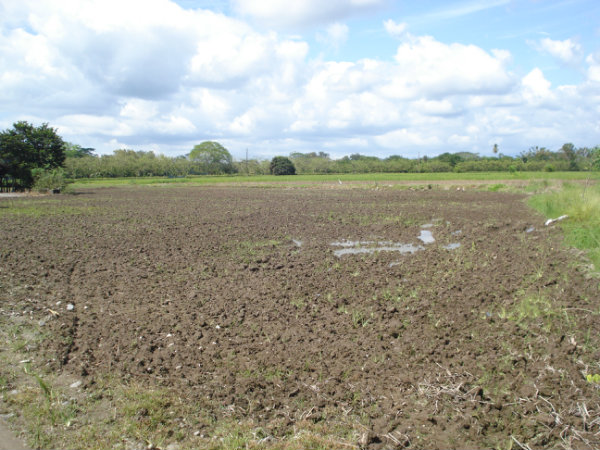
376,77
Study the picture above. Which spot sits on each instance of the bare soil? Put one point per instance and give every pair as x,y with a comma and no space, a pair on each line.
234,298
7,439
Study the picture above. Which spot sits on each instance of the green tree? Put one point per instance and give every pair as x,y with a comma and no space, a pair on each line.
537,154
311,162
214,158
570,154
77,151
280,165
24,148
451,158
595,158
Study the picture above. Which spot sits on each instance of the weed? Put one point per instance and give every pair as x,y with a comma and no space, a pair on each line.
359,320
531,308
595,378
298,303
4,383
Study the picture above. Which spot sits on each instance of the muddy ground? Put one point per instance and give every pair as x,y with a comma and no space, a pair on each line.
239,300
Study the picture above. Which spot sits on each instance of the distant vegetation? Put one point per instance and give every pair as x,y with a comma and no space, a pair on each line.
130,163
29,154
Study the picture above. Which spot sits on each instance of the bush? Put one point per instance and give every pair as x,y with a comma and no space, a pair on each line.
280,165
49,180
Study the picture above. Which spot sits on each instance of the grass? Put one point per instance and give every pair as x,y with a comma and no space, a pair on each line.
21,209
329,178
582,205
120,415
533,308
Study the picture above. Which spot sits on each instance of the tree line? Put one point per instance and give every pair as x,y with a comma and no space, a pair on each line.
126,163
31,156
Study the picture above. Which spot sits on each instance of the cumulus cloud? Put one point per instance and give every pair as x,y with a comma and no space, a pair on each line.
427,66
283,14
109,75
593,71
335,35
140,62
536,88
567,51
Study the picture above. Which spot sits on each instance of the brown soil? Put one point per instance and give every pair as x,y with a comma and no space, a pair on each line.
205,291
8,441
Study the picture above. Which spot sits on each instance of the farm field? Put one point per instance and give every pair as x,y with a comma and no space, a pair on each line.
395,179
260,317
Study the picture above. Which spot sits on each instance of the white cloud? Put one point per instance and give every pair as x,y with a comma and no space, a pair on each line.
434,107
138,109
403,139
176,125
593,71
567,51
430,67
86,124
109,76
335,35
282,14
536,88
394,29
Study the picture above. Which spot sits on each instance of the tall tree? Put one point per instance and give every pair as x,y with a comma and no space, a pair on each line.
24,148
213,156
570,155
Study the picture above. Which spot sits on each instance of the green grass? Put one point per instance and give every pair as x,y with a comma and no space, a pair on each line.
328,178
532,308
43,209
582,205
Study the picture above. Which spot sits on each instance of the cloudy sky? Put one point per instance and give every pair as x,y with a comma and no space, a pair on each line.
376,77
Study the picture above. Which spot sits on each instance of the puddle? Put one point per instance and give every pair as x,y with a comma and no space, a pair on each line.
452,246
530,229
457,233
351,243
297,242
356,247
426,237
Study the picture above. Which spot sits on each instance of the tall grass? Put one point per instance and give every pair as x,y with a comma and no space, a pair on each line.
582,205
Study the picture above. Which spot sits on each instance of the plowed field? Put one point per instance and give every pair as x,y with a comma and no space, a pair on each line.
423,319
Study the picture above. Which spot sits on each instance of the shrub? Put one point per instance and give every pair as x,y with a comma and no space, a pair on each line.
49,180
280,165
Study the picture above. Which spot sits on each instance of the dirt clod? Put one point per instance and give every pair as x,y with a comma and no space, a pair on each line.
206,292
